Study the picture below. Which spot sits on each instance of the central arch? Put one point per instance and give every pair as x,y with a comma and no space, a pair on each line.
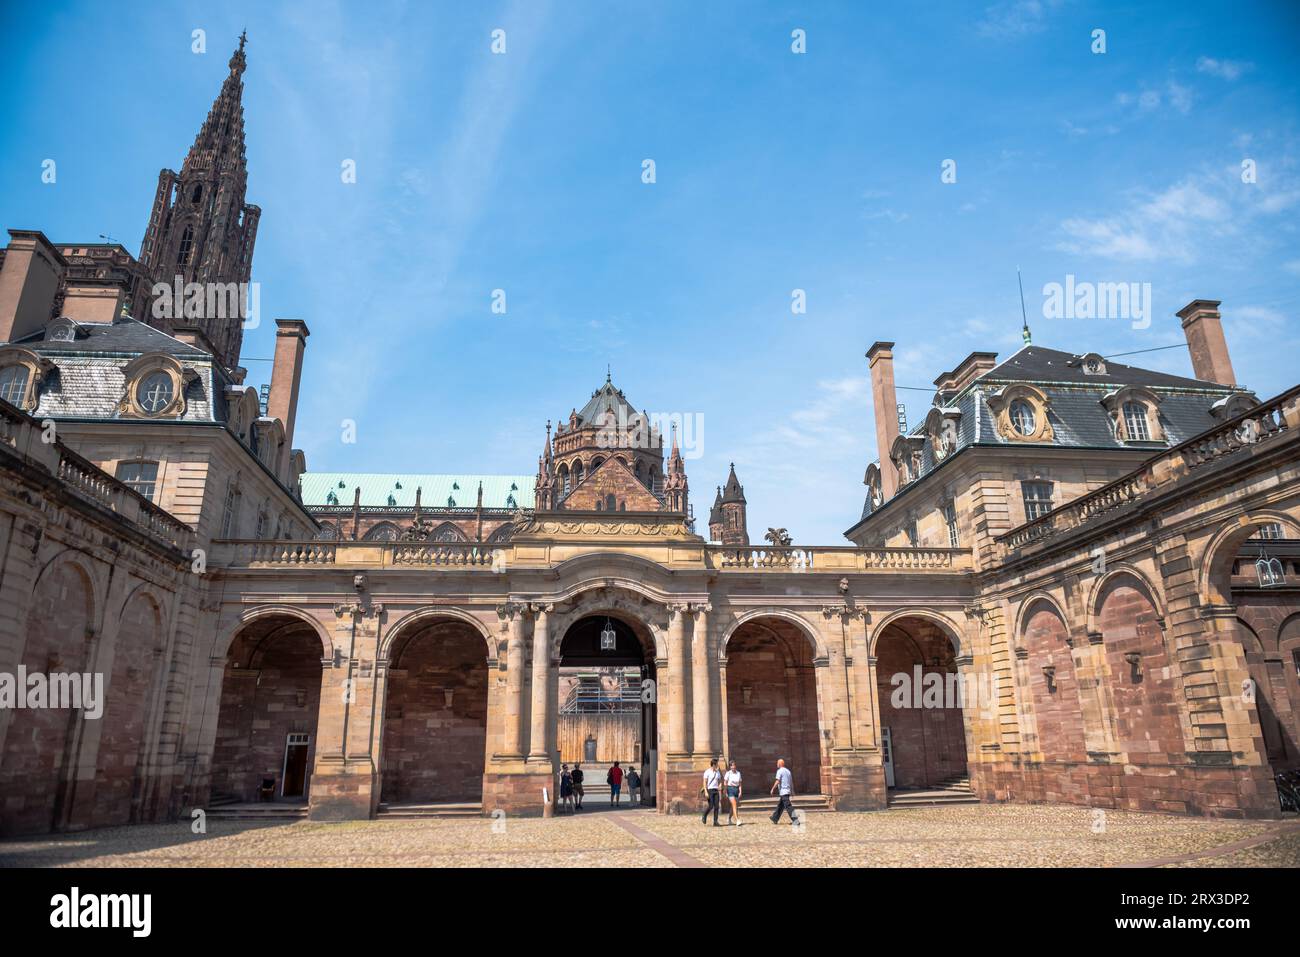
601,712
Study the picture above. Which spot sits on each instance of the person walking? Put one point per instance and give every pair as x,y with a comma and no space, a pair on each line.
566,788
712,786
731,781
615,779
784,784
633,785
577,786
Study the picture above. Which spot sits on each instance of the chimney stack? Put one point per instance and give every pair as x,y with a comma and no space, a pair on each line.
30,272
93,302
286,373
880,358
1205,342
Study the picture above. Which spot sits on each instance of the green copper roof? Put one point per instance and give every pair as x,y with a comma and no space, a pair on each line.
440,491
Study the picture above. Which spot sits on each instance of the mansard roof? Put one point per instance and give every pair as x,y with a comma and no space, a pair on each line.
1075,410
500,492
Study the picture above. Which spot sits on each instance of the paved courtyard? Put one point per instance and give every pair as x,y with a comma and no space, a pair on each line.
972,835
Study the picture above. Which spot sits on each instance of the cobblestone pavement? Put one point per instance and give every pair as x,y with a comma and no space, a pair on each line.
971,835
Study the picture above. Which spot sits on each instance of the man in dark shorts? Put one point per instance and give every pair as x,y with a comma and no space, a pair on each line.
577,785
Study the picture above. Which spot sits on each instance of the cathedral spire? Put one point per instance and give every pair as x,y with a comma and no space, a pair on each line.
201,230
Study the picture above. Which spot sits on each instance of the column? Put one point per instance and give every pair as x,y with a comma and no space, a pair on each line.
677,663
703,744
541,683
514,737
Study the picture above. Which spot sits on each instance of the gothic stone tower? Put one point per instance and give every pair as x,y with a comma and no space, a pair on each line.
200,228
727,521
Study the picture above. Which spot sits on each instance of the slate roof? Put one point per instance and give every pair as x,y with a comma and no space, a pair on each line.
125,337
500,492
1078,418
1040,364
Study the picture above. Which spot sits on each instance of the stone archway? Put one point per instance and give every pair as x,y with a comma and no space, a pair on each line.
599,698
921,696
267,717
34,771
433,747
771,703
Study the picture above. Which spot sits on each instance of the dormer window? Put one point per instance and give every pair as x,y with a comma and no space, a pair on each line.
61,330
1021,412
1091,364
1134,415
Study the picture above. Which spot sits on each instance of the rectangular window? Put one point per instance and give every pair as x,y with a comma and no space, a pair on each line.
141,476
950,519
229,512
1038,499
1272,530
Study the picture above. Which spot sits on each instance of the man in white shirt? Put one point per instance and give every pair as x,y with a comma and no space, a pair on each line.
712,787
784,783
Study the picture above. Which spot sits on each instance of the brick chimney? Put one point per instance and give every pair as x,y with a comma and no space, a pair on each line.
196,337
880,358
1205,342
286,373
29,280
93,301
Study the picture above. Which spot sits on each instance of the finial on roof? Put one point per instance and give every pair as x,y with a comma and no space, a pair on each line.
237,59
607,373
1024,317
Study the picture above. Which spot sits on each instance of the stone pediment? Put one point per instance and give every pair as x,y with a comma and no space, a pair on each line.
611,487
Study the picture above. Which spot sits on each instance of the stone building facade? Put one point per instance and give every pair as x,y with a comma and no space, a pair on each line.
347,642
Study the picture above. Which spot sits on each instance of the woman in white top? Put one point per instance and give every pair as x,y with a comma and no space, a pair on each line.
731,781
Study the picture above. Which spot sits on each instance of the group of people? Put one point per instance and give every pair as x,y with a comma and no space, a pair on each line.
572,792
715,779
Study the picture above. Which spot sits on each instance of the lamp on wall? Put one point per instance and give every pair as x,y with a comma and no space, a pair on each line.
447,695
747,693
608,637
1049,674
1269,570
1134,660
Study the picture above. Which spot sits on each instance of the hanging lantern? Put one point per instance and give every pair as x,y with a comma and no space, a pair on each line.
1269,570
608,637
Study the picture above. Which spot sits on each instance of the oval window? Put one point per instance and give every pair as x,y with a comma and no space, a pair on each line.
1023,418
155,392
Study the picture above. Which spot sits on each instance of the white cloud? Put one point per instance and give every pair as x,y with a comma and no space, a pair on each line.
1223,69
1016,18
1180,222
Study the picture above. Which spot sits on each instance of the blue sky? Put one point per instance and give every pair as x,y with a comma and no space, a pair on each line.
774,171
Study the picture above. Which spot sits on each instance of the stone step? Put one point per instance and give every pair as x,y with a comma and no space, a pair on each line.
931,796
269,811
448,809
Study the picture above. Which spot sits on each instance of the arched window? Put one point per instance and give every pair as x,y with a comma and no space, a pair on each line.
1136,424
13,384
610,503
187,244
197,194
